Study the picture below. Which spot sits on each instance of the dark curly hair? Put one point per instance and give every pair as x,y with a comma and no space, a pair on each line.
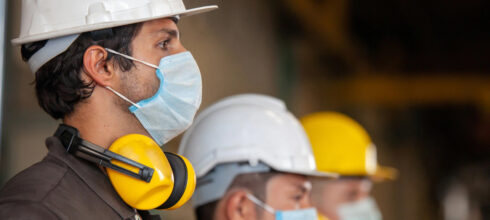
59,86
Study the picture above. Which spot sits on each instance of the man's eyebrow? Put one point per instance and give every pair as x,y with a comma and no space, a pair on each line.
171,32
302,188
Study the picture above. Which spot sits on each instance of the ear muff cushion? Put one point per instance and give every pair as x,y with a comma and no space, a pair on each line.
179,170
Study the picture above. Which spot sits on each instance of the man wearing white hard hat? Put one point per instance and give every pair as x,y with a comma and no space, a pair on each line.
106,69
252,159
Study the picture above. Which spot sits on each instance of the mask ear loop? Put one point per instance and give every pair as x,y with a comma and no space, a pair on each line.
122,97
131,58
260,203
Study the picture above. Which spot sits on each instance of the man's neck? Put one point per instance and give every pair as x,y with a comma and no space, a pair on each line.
100,121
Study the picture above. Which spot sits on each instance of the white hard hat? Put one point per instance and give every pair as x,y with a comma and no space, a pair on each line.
48,19
249,128
62,21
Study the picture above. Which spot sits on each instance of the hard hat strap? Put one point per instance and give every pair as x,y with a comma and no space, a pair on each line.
27,50
50,50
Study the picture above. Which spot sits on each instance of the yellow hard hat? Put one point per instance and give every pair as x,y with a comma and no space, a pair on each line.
341,145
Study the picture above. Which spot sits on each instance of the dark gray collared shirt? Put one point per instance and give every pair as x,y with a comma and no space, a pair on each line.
62,186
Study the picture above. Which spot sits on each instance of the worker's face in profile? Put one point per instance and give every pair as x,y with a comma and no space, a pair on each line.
286,192
330,195
156,39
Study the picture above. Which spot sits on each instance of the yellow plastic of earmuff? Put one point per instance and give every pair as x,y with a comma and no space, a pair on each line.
135,192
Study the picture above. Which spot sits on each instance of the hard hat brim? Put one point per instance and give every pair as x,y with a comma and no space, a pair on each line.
310,173
384,173
99,26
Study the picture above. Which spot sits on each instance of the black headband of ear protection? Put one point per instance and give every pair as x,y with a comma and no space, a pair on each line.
71,140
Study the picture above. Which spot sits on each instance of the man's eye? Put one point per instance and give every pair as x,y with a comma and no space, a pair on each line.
164,44
298,197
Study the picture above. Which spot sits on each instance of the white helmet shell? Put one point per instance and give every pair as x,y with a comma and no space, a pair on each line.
47,19
249,128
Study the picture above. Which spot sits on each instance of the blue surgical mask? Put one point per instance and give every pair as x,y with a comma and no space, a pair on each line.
297,214
365,209
172,109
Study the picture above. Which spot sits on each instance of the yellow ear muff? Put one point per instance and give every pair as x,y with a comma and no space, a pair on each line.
184,179
135,192
171,185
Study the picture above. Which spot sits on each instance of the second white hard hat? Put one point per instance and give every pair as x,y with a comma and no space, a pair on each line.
249,128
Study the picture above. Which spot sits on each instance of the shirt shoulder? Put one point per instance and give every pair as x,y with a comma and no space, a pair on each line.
23,210
34,183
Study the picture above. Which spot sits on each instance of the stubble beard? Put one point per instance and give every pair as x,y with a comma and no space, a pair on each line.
135,90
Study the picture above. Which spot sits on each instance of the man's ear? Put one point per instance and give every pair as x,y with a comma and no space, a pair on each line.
96,66
239,207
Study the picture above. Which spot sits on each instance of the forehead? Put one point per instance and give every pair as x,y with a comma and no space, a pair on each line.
287,182
158,25
339,185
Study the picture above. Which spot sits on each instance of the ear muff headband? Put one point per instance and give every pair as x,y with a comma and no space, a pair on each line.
180,180
69,137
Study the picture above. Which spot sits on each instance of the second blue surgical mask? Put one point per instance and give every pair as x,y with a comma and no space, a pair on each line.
296,214
171,110
365,209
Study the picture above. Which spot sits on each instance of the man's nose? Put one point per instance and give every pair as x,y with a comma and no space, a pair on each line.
178,49
305,202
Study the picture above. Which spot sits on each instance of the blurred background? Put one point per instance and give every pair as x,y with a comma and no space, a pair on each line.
414,73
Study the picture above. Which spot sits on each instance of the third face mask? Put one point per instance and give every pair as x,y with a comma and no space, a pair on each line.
365,209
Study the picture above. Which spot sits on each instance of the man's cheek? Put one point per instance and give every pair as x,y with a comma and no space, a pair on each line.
155,85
